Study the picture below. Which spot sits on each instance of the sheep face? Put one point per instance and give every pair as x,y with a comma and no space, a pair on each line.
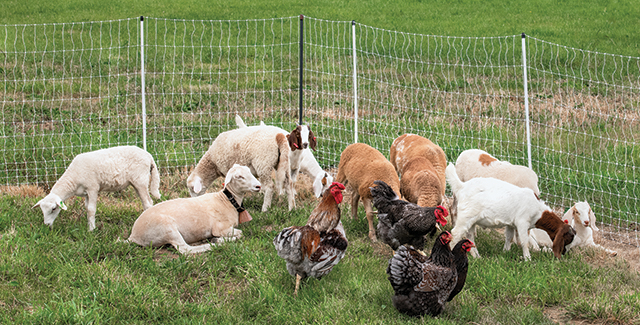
321,183
51,206
241,179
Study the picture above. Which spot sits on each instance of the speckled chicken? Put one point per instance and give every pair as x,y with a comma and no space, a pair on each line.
422,285
313,250
401,222
462,264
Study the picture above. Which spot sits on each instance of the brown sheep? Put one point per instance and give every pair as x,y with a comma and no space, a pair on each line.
359,166
420,164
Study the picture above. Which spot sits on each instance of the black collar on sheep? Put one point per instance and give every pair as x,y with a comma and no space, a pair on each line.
233,201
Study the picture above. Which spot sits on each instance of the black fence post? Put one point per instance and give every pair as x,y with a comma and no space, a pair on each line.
301,66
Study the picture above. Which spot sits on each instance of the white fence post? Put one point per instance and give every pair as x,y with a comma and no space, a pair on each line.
526,98
144,106
355,82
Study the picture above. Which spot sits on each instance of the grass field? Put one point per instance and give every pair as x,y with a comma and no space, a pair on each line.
68,275
57,104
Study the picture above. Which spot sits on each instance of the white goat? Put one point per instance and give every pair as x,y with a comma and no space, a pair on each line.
105,170
583,220
262,149
184,221
303,160
493,203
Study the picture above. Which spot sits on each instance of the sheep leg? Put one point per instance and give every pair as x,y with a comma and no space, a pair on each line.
230,235
177,241
291,194
267,185
369,211
354,205
143,194
91,202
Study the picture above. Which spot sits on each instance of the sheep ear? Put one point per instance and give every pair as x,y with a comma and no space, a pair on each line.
37,204
592,220
197,185
62,205
312,140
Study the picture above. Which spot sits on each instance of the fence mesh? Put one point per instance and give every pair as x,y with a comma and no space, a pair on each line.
72,88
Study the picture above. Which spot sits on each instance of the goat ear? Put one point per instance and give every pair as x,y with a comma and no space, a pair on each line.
558,244
312,140
293,139
318,185
592,220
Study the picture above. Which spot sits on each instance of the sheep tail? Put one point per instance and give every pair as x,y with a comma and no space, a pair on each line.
283,174
154,186
453,179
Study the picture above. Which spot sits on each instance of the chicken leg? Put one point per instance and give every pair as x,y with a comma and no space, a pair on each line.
298,278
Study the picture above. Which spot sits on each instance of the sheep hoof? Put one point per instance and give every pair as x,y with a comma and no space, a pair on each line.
373,238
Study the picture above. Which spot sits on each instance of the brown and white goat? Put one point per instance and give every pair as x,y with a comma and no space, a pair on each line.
493,203
420,164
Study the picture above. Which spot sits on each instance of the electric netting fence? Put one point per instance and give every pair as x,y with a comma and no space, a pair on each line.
72,88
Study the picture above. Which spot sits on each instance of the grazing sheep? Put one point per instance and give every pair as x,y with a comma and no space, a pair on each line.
583,220
105,170
420,164
478,163
181,222
359,166
262,149
493,203
303,160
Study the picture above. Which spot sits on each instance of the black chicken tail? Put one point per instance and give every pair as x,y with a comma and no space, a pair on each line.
382,194
405,269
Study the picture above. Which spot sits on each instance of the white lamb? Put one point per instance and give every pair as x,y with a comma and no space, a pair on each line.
107,170
583,220
302,160
262,149
184,221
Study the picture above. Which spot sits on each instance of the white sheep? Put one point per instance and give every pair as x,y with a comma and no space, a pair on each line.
184,221
473,163
583,220
420,164
493,203
262,149
303,160
478,163
105,170
360,165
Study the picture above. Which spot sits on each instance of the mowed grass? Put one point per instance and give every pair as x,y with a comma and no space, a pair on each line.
66,274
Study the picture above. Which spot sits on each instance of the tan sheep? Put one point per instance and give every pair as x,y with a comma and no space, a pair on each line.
359,166
420,164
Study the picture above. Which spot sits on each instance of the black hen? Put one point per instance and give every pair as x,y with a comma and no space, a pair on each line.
462,264
401,222
422,285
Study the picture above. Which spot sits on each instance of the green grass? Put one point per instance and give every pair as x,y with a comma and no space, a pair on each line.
66,274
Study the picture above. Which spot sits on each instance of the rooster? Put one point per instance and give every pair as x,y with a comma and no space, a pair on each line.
462,264
401,222
422,285
314,249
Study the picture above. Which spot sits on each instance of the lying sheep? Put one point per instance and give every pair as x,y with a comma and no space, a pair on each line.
583,220
359,166
420,164
107,170
262,149
184,221
302,160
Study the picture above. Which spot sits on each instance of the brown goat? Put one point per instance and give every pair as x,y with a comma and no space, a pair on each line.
559,231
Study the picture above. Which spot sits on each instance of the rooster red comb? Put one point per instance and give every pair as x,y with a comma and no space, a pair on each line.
338,185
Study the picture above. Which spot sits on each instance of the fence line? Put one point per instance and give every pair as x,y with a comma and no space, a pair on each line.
572,115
